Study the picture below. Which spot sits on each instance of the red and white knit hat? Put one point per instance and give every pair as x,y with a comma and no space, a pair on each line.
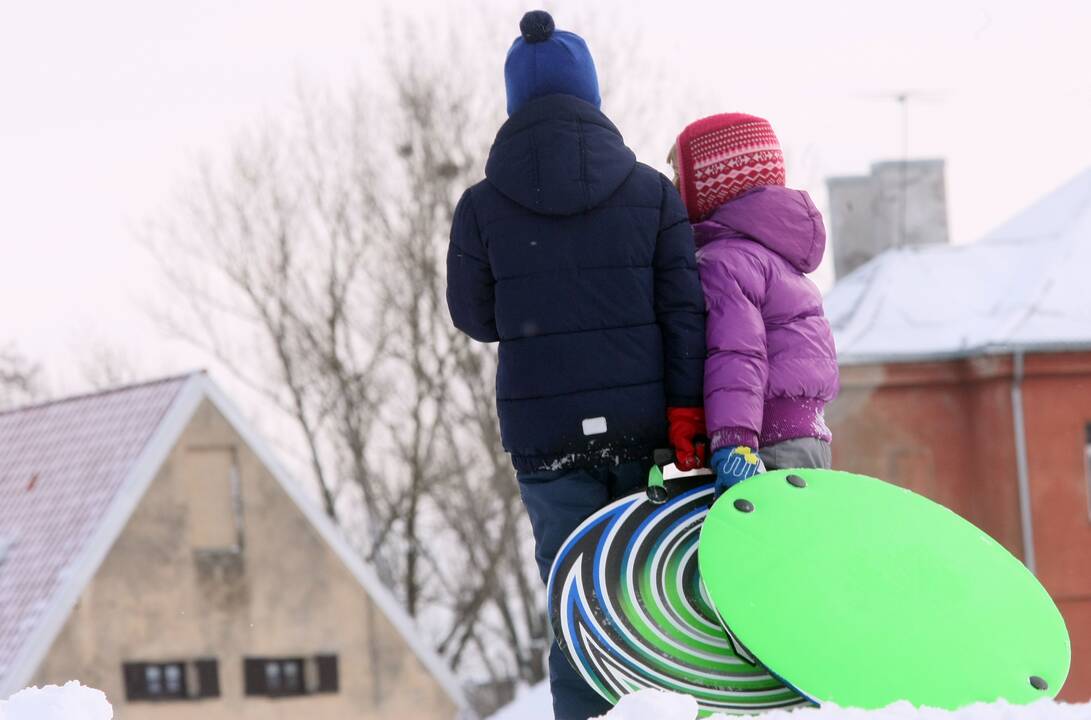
722,156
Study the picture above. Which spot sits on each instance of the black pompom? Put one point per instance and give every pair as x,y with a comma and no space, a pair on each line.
536,26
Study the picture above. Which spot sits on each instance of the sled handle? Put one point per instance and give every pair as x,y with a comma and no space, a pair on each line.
662,457
657,490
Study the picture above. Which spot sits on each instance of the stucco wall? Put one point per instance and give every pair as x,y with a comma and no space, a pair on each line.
154,599
946,430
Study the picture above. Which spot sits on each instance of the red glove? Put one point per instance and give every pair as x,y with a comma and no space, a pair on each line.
686,425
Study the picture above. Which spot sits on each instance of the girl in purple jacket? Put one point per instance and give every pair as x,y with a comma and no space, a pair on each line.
771,365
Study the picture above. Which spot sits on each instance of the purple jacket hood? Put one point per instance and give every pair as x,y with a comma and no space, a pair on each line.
783,220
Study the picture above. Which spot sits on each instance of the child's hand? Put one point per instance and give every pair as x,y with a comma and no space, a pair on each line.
733,465
685,426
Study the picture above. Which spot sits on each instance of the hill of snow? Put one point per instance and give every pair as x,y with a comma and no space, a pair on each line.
71,702
535,704
658,705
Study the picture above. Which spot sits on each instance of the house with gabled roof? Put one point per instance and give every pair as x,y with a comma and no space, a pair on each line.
152,546
966,376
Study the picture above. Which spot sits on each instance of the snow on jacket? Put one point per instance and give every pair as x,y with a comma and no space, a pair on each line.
771,364
580,262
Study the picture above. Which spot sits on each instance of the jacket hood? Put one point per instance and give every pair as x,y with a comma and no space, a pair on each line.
558,155
783,220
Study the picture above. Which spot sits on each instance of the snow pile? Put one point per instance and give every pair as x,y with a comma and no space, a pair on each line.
71,702
534,703
654,705
659,705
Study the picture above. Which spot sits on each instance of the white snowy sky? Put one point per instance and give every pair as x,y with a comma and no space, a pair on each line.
105,106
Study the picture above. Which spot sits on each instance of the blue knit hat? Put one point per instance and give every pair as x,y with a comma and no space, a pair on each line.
544,61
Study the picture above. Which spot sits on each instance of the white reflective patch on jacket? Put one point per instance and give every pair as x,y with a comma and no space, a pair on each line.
594,426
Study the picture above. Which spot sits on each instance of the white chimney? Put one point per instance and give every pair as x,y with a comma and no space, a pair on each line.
899,204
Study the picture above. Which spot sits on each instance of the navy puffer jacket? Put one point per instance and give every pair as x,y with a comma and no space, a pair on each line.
580,262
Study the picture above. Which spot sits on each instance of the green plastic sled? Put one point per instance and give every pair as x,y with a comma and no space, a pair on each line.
860,593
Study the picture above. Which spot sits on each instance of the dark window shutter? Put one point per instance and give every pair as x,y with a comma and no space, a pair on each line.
1087,433
208,678
328,680
254,675
134,681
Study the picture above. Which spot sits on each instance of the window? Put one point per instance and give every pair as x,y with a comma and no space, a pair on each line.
289,677
274,677
155,681
171,680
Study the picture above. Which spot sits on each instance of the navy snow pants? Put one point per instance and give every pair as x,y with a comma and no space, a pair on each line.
557,502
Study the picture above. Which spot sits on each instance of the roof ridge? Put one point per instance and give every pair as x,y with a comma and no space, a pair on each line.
99,393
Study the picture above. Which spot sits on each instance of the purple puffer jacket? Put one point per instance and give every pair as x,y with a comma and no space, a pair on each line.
771,365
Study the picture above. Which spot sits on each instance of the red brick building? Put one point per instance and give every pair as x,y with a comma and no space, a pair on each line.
966,376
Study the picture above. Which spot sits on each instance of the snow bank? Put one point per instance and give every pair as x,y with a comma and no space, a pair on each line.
71,702
658,705
654,705
533,703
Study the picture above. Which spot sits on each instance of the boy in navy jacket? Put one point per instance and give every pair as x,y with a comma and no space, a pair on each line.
580,262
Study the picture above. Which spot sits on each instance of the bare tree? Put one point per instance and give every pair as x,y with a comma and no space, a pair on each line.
20,380
270,259
104,366
312,266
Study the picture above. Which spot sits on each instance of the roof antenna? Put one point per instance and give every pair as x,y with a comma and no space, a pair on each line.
903,97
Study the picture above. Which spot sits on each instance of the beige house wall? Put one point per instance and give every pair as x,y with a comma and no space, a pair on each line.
157,598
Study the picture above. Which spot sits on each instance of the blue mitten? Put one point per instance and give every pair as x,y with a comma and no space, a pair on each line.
733,465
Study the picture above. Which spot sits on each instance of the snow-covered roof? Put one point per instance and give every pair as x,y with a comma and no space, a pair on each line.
1024,286
71,474
62,467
